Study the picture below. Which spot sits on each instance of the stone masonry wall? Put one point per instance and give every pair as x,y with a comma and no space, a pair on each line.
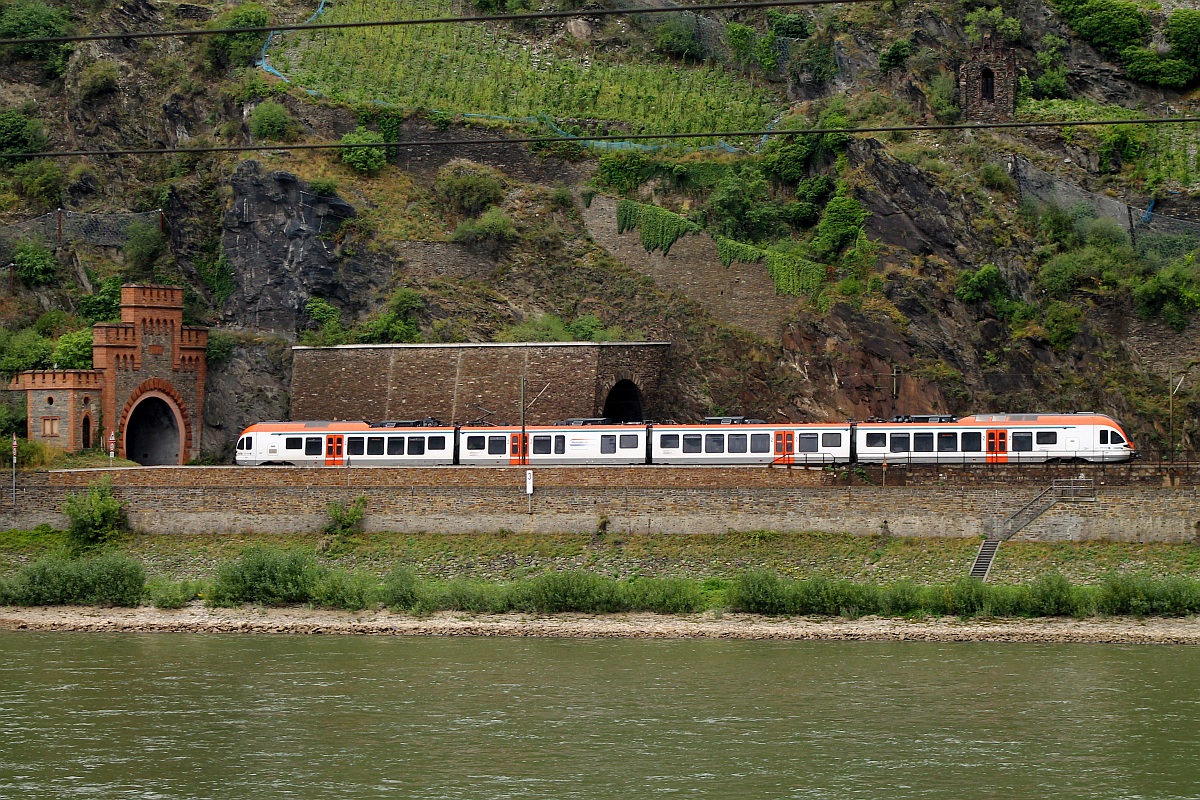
461,383
1134,506
740,294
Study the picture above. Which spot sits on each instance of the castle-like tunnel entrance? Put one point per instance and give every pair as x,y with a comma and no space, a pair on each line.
624,403
152,434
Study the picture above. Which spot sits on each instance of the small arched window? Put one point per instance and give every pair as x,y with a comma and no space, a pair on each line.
987,85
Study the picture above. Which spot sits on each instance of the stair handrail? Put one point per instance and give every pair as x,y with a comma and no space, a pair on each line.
1007,524
1073,488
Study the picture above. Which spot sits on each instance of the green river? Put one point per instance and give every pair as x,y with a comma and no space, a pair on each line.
238,716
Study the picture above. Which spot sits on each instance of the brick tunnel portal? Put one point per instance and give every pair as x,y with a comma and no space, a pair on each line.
153,433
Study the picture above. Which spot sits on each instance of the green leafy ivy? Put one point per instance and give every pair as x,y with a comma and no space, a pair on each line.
660,229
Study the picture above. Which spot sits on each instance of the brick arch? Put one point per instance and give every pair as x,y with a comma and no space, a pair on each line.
157,387
606,381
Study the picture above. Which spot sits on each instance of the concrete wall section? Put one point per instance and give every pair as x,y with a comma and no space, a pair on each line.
655,500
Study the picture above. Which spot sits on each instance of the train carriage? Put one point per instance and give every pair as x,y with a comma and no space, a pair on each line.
992,439
736,440
577,442
409,443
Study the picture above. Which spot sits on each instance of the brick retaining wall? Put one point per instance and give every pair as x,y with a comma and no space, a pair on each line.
1134,503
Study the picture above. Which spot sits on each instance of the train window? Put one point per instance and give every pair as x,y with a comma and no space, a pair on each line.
714,443
416,445
1104,437
668,440
497,446
395,445
541,445
1115,438
560,445
899,443
312,446
292,443
760,443
475,442
354,445
806,443
923,442
947,442
241,445
972,442
1047,437
691,442
737,442
437,443
374,445
629,440
831,440
1022,441
608,444
876,440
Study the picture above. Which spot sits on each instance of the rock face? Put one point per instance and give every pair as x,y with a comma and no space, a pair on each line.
251,385
286,244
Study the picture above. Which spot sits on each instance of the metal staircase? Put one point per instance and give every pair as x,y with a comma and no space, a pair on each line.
1070,490
983,559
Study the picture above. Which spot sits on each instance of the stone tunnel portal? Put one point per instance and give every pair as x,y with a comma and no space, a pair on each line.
153,433
624,402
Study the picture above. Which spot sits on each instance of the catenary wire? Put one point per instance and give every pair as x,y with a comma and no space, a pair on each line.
326,26
148,151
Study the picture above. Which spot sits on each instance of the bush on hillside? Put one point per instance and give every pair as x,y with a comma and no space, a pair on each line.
39,181
983,22
24,350
1111,25
678,37
237,49
367,160
19,133
1150,66
492,231
74,350
35,264
33,19
271,120
467,187
144,243
895,56
99,78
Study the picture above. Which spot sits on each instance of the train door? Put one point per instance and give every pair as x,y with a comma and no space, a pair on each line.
785,447
335,452
997,447
515,456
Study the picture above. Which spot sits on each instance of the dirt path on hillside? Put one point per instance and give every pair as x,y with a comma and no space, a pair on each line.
198,619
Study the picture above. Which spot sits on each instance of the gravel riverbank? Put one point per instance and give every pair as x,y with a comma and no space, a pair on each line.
199,619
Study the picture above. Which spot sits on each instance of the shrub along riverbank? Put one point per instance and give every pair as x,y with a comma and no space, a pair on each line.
276,577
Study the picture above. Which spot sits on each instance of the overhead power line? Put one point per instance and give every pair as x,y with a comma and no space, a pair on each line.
387,23
150,151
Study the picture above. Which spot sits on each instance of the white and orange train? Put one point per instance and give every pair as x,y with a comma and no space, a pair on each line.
718,441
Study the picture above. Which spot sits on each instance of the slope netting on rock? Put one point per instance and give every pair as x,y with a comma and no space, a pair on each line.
62,228
1170,237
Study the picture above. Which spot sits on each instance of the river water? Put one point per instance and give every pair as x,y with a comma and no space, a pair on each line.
229,716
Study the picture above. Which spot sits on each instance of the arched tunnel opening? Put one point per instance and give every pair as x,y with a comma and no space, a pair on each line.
152,434
624,403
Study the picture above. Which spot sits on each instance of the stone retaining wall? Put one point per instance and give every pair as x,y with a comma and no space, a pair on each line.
1132,503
